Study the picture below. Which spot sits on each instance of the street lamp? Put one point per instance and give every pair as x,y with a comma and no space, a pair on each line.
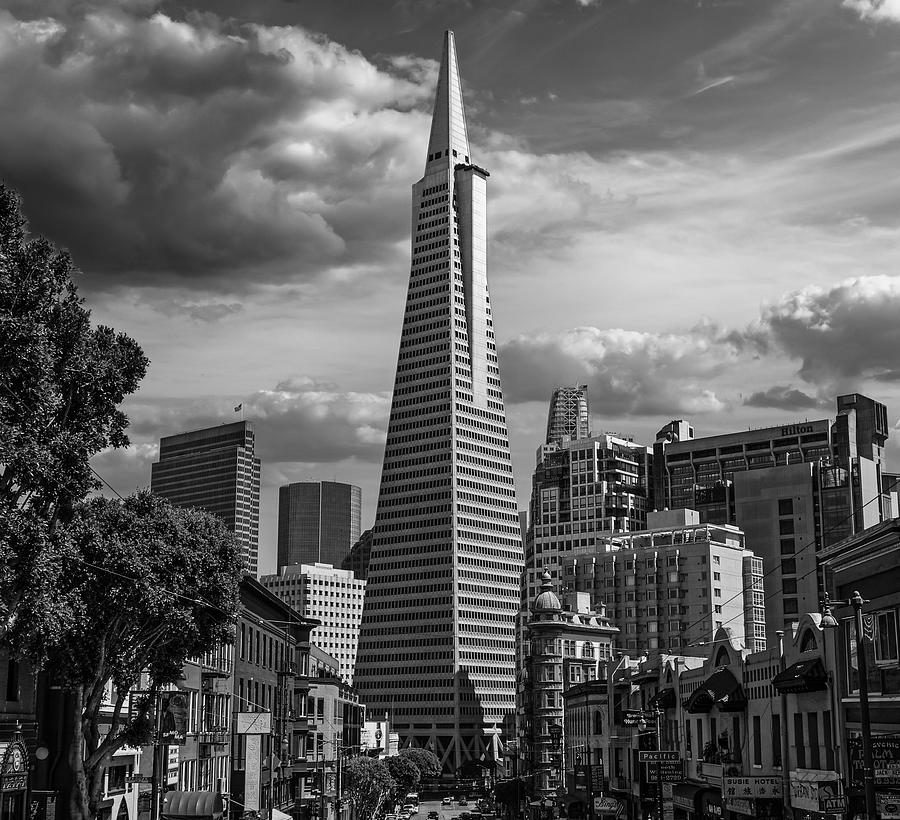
830,622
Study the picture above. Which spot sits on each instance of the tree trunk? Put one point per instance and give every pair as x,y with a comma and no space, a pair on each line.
79,801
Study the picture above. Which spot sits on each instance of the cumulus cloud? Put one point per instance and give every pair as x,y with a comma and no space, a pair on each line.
783,397
627,372
841,334
875,9
187,149
299,420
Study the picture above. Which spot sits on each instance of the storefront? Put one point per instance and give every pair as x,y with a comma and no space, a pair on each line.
14,781
760,797
817,794
697,802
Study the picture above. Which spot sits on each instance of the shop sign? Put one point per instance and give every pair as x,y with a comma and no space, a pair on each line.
13,769
885,755
834,805
739,805
671,772
888,805
811,788
253,723
633,717
712,808
606,805
668,811
683,802
755,787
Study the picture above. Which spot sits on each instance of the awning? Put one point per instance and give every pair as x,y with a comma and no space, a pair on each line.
803,676
720,689
192,806
664,698
280,815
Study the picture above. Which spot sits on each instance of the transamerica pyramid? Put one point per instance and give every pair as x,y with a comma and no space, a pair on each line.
437,641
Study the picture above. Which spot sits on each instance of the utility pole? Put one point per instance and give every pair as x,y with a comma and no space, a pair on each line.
155,763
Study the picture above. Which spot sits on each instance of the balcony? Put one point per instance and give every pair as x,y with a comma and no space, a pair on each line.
214,735
710,772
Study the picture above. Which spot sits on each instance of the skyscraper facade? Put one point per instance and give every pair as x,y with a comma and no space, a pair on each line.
318,521
569,416
332,596
437,645
214,469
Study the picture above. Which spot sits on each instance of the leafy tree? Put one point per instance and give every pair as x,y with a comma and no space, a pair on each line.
405,774
141,587
61,381
369,786
425,760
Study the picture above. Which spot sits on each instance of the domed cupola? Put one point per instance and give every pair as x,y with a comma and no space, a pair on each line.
546,600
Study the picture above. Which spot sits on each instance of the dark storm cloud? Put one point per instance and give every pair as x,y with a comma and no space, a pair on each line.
841,334
783,397
159,149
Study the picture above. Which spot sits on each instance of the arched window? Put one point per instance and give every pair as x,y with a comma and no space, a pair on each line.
598,721
808,641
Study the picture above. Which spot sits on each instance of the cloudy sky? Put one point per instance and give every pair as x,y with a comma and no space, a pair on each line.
694,206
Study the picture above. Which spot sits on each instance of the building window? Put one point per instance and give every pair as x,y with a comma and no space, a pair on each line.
799,745
886,637
786,526
812,726
12,679
757,740
785,506
789,566
776,740
790,606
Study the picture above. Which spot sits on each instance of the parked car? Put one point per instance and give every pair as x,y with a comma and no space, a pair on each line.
433,815
447,801
462,801
410,809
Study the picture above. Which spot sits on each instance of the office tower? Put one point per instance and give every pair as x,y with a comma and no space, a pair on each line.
698,473
672,585
569,416
332,596
357,560
214,469
580,491
436,647
318,521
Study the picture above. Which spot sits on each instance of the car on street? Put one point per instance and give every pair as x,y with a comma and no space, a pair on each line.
433,815
447,801
462,802
410,809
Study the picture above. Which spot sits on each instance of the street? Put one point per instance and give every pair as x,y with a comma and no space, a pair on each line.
444,812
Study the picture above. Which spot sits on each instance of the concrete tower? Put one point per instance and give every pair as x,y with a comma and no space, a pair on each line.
436,648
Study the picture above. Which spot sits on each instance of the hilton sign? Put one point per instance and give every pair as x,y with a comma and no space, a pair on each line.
796,429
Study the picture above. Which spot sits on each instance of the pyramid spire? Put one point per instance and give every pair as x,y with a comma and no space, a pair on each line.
448,123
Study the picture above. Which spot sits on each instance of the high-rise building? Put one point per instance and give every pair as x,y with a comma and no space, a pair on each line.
332,596
214,469
671,586
357,560
437,646
570,415
582,490
318,522
793,489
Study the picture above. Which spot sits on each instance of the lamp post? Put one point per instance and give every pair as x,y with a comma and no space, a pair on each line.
830,622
